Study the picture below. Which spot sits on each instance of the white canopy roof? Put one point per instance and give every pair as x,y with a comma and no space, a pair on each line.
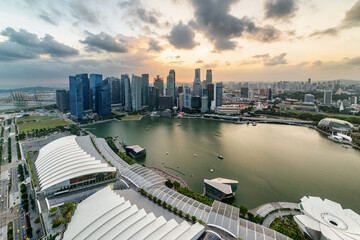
329,218
106,215
64,159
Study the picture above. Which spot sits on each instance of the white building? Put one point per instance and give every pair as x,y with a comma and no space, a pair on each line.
69,162
107,215
325,220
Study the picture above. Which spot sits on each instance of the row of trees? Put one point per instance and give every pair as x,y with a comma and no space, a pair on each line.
168,206
9,150
21,173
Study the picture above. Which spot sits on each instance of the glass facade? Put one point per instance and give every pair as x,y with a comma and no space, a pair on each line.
76,102
145,89
95,87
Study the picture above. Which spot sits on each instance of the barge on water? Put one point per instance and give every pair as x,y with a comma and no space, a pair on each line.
135,151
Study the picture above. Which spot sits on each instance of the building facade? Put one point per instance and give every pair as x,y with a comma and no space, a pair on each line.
136,93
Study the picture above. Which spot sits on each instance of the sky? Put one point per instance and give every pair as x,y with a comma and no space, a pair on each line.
43,42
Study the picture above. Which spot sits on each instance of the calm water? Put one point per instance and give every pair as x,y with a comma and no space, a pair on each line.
271,162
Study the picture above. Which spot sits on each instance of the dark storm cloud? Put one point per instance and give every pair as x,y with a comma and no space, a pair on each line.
137,10
56,49
103,42
280,9
25,45
182,37
47,19
154,46
212,18
83,13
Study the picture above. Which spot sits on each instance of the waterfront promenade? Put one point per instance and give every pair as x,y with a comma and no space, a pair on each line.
170,176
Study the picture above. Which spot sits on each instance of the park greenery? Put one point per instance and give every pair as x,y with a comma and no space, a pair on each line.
122,155
24,197
287,226
33,119
21,173
9,150
54,209
18,150
31,169
190,193
42,125
315,117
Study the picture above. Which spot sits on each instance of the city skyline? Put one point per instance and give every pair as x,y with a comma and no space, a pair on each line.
270,40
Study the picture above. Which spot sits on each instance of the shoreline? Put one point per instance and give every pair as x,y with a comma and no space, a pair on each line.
170,176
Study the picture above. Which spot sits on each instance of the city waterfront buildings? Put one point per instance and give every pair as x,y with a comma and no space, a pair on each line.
208,77
76,94
327,97
170,84
145,89
159,84
95,87
136,93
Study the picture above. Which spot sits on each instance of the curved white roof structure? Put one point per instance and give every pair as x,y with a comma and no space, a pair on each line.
67,158
106,215
328,219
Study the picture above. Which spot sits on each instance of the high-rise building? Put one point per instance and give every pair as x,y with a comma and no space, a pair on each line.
218,94
251,95
170,84
76,94
197,86
208,77
104,97
244,92
309,98
115,91
95,87
204,104
197,75
145,89
270,95
181,100
187,97
196,102
159,84
136,92
328,97
153,98
83,77
165,102
354,99
126,92
62,100
210,91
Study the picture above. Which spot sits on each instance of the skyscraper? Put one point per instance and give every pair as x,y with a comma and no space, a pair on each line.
218,92
187,97
270,95
208,77
244,92
104,97
126,92
170,84
328,97
197,86
210,90
115,91
76,93
62,100
145,89
159,84
153,98
136,92
95,87
83,77
204,104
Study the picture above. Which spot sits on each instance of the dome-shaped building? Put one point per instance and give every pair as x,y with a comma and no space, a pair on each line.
336,125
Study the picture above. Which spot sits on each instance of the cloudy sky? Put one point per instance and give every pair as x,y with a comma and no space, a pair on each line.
43,42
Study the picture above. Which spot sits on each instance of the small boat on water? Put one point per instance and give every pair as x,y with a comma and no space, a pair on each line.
191,175
167,153
254,123
221,157
211,170
179,124
195,155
